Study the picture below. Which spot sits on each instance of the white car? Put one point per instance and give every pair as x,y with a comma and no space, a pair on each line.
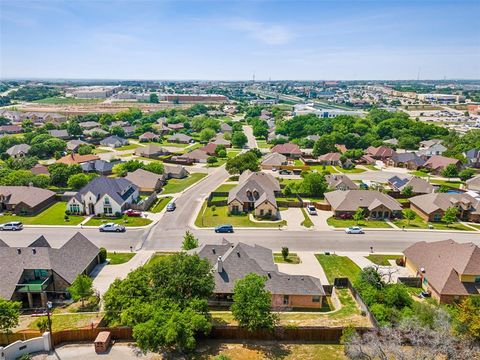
111,227
311,210
13,226
354,230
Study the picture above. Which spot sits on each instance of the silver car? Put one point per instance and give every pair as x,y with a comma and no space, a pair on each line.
311,210
111,227
12,226
354,230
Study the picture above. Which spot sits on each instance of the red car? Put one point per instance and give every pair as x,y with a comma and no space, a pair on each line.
133,213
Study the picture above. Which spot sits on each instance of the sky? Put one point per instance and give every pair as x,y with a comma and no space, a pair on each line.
232,40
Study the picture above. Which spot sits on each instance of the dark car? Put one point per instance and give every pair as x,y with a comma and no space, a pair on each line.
224,229
171,206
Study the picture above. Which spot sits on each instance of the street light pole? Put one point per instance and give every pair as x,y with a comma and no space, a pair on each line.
49,307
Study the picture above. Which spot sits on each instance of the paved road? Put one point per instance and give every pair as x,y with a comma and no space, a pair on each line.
252,142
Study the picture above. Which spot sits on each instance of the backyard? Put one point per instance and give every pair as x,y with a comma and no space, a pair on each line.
178,185
345,223
60,321
54,215
211,216
338,266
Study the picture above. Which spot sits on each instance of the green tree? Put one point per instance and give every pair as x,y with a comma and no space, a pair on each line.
155,167
78,181
466,174
252,303
313,184
325,144
407,191
467,317
9,315
212,160
239,139
59,173
409,214
117,130
285,252
154,98
359,215
85,149
207,134
81,288
189,241
42,324
242,162
74,129
450,171
450,215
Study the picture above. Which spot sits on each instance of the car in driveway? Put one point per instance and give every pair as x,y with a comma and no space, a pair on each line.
11,226
354,230
224,229
111,227
171,206
133,213
311,210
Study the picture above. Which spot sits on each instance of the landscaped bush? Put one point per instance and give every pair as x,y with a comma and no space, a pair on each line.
102,254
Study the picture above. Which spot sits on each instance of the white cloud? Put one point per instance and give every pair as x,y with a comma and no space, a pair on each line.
266,33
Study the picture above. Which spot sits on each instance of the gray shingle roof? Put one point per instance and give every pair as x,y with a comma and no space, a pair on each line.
334,181
474,183
419,185
351,200
251,183
429,203
145,179
100,166
113,187
29,195
408,158
18,149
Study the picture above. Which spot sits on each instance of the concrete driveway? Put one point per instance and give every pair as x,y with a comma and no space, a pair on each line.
309,265
320,220
294,218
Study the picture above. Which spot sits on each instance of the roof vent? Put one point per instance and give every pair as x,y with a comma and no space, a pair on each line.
34,251
19,251
422,270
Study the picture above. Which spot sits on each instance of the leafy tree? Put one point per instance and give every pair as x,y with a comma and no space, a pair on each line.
313,184
43,324
81,288
103,255
117,130
242,162
212,160
285,252
221,153
207,134
239,139
359,215
155,167
74,129
407,191
85,149
409,214
60,173
78,181
450,215
189,241
450,171
324,145
466,174
154,98
9,315
252,303
467,317
126,167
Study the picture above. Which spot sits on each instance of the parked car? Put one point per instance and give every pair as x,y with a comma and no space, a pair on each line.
224,229
311,210
111,227
13,226
285,172
171,206
354,230
133,213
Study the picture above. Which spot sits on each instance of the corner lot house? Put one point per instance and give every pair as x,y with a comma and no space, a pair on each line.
437,163
255,192
273,161
25,200
474,183
450,271
340,182
417,184
114,141
146,181
39,273
18,151
232,262
104,195
432,207
289,150
376,205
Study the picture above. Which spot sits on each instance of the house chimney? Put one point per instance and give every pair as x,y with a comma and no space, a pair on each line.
219,264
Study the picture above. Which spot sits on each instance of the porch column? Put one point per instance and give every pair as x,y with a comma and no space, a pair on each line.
30,300
43,298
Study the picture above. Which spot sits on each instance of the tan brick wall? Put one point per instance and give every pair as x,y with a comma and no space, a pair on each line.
304,301
266,206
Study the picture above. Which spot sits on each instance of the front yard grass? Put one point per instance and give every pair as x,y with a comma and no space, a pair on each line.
262,144
382,260
322,168
62,321
218,163
131,146
419,223
345,223
231,153
349,171
209,218
100,151
119,258
420,173
451,184
225,188
177,185
307,222
292,258
157,257
54,215
338,266
160,204
129,222
476,226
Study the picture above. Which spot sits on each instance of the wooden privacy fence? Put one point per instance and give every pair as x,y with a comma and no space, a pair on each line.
5,340
82,335
145,204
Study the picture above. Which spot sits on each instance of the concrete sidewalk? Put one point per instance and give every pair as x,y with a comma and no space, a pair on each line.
309,265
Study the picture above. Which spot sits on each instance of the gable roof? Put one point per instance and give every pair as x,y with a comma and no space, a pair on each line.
150,149
73,144
145,179
274,159
77,158
351,200
101,166
148,136
28,195
419,185
180,137
249,182
408,157
119,189
330,157
430,203
210,148
381,151
39,169
18,149
440,162
113,139
197,154
59,133
443,262
334,180
287,148
474,183
68,261
174,169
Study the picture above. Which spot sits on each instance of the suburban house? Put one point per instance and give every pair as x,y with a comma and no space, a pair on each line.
341,147
196,156
40,169
366,159
101,167
437,163
450,271
473,158
340,182
289,150
432,207
175,171
114,141
330,159
73,158
380,153
255,192
104,195
73,145
181,138
417,184
175,127
435,149
474,183
220,140
151,151
224,128
146,181
18,151
25,200
406,160
161,128
273,161
87,125
376,205
39,273
129,130
426,144
210,149
148,136
11,129
232,262
61,134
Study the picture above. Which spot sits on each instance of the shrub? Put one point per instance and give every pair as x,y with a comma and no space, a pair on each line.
103,254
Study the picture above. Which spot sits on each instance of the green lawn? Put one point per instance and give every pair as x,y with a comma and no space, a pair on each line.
209,218
298,162
160,204
291,259
225,188
54,215
338,266
119,258
58,100
419,223
476,226
131,221
452,184
340,223
128,147
321,168
100,151
157,257
420,173
178,185
262,144
349,171
306,222
370,167
232,153
166,143
69,321
382,259
218,163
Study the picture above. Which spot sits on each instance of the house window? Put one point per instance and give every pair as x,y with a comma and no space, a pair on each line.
477,279
107,201
235,208
107,210
437,217
270,212
316,299
285,299
425,281
74,208
261,212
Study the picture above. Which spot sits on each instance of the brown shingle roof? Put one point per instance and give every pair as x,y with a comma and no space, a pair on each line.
73,158
351,200
287,148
